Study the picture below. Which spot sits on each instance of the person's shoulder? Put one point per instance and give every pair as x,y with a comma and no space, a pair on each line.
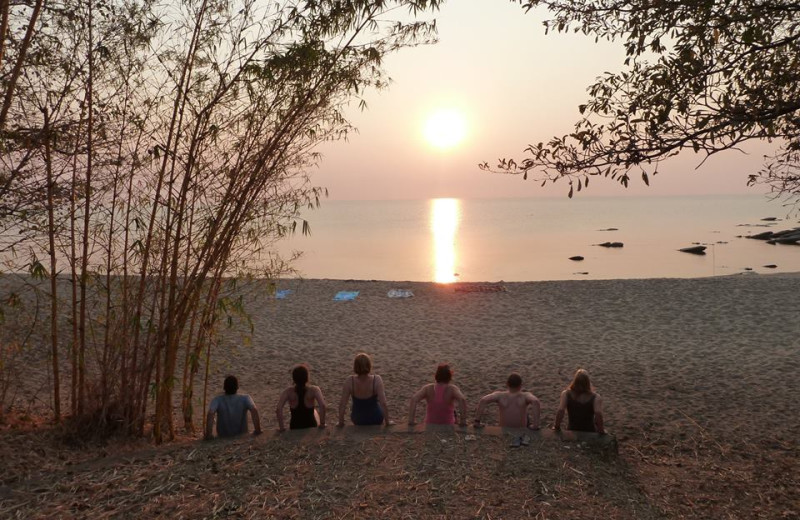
531,396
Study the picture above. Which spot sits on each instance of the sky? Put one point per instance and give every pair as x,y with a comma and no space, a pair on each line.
513,85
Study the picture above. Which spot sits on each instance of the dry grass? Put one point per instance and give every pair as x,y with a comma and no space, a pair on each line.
313,476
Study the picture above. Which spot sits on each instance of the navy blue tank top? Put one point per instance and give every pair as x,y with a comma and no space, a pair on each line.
366,411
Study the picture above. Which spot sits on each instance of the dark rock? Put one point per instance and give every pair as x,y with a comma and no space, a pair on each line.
582,272
611,244
576,258
609,229
748,268
786,233
769,219
695,250
770,266
762,236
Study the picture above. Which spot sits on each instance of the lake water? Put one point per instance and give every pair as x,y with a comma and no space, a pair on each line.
448,240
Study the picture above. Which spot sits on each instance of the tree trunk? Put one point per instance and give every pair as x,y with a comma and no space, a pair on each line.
51,231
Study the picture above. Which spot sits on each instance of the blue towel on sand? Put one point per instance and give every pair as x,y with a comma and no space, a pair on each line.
345,295
283,293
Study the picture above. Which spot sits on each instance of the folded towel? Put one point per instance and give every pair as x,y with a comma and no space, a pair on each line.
345,295
400,293
283,293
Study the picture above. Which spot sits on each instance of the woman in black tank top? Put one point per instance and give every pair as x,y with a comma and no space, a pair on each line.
582,405
301,398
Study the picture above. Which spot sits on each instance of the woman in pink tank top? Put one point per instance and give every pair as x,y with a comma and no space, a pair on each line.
441,398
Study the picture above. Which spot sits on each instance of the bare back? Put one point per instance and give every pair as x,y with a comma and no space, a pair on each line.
513,408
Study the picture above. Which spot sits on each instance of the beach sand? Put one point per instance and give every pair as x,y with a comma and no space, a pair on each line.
698,376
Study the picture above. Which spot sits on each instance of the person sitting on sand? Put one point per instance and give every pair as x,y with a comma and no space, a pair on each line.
583,405
513,404
441,398
367,393
230,410
301,398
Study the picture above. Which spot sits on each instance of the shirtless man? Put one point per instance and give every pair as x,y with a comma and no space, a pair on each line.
513,404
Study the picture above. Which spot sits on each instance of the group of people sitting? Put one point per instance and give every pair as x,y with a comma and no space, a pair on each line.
365,391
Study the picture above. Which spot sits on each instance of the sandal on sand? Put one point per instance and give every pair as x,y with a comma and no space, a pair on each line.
516,442
525,440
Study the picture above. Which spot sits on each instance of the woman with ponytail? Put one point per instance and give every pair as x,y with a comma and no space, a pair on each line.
302,398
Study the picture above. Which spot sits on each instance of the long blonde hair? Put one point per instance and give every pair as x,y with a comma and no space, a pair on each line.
581,384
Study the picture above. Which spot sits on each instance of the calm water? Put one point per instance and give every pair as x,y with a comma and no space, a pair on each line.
532,239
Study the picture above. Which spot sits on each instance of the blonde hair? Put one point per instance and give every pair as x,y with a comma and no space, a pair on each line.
362,364
581,384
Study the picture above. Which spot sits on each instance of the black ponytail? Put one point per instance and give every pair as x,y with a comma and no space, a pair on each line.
300,378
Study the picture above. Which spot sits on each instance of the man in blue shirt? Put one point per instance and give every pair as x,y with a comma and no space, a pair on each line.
231,412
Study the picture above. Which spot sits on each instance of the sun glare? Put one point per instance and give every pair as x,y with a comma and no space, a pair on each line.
444,224
445,128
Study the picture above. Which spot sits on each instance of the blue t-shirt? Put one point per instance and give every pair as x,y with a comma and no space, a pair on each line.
231,413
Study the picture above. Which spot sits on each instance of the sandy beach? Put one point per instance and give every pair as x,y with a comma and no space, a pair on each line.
699,376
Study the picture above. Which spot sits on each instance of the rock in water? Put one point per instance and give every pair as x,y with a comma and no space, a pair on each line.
577,258
695,250
611,244
769,219
770,266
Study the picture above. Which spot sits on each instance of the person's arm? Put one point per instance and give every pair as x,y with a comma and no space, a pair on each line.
598,414
491,398
279,409
462,405
209,426
346,388
212,411
412,405
562,409
382,400
322,408
256,420
536,411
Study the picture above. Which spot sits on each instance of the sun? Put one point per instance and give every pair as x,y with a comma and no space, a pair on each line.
445,128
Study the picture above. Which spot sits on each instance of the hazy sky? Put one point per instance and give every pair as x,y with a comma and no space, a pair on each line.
514,86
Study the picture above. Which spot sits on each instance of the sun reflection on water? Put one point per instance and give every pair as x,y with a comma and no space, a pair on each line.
445,214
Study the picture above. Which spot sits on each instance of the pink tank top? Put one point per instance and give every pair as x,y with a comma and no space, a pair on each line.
438,411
